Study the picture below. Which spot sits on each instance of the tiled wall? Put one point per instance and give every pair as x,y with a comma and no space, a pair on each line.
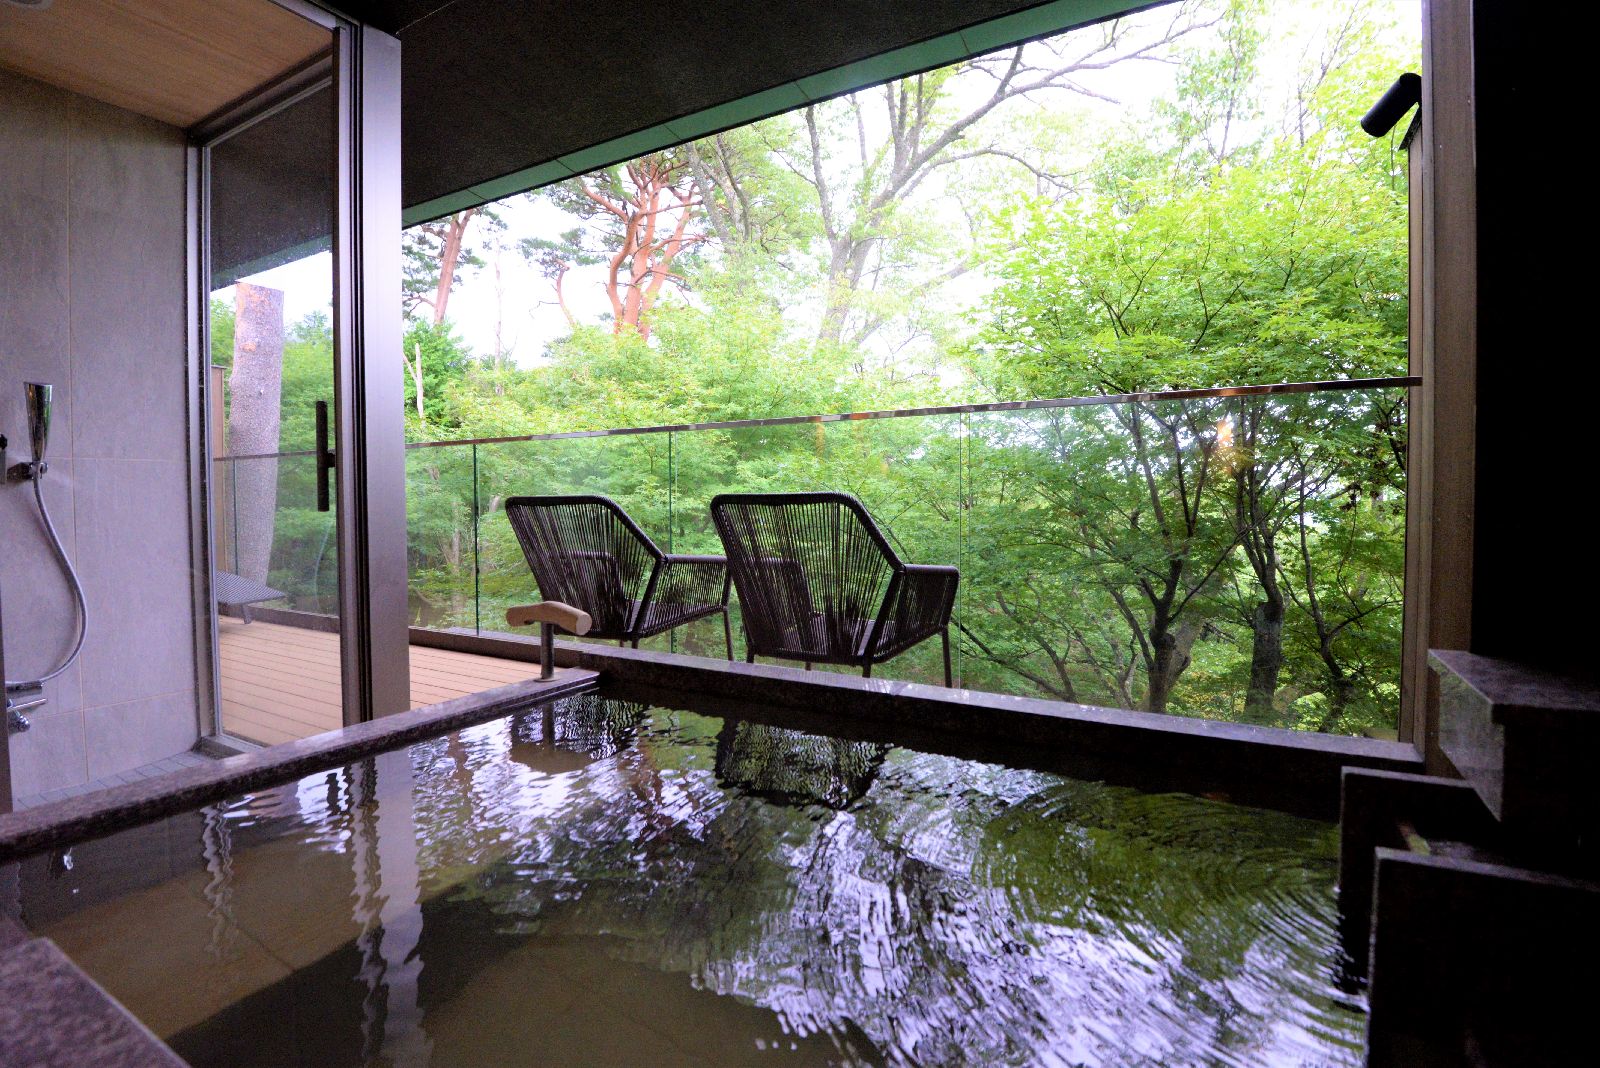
92,300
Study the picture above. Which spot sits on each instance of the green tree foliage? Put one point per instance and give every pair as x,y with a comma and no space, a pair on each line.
1281,260
444,359
221,333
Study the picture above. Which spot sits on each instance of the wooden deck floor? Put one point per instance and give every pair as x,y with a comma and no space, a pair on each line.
281,683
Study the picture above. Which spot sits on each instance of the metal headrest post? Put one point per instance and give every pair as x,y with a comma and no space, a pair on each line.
547,650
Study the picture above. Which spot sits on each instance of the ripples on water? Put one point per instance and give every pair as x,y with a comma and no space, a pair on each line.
888,906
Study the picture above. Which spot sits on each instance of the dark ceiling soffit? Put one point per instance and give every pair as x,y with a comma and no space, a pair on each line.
1044,20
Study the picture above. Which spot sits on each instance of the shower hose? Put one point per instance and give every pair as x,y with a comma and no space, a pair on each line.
77,594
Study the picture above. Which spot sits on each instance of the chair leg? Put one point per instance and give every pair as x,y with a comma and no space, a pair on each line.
727,632
636,643
749,656
808,665
866,670
945,636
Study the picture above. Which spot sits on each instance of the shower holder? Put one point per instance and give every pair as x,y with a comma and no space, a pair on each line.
26,470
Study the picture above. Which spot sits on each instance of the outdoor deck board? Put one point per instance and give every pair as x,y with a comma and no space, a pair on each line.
281,683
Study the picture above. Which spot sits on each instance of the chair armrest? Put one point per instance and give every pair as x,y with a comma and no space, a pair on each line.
688,579
927,594
919,603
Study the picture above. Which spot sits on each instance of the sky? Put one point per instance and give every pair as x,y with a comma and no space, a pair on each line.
508,304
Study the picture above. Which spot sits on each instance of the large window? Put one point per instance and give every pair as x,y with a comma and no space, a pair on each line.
1177,200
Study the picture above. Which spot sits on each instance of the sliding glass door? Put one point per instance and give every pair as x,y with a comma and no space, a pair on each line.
293,187
271,200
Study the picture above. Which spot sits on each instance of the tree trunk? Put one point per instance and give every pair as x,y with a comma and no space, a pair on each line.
1341,691
642,262
845,268
449,257
1163,671
255,386
1266,661
1257,504
1171,647
416,378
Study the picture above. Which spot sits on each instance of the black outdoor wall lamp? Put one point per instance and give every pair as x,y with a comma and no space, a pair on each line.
1401,97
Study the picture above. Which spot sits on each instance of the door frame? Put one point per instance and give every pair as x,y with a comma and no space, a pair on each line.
371,473
363,67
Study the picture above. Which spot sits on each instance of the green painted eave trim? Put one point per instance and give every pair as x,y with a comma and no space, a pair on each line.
1045,20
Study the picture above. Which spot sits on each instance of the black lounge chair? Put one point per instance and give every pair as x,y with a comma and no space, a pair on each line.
586,552
819,583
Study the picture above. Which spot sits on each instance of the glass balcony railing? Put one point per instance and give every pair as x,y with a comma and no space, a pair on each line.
1232,554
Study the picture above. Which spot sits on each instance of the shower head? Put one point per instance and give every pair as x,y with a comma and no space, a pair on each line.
37,396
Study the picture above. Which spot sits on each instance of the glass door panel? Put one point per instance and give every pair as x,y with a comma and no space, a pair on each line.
271,205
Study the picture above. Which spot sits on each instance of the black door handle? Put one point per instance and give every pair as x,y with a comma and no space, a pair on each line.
324,457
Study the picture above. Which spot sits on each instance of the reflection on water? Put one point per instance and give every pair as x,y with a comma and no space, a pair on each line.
795,768
603,883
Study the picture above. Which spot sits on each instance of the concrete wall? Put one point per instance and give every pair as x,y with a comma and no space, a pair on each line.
92,299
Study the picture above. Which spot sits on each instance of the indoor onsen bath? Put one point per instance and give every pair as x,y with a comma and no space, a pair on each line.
625,877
